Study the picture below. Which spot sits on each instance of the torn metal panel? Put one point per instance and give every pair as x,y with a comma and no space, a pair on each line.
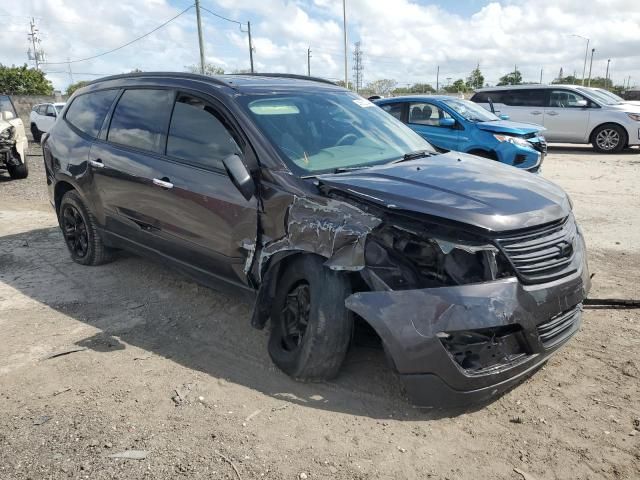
333,229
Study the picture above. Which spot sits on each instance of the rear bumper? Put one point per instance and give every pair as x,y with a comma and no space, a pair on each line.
417,328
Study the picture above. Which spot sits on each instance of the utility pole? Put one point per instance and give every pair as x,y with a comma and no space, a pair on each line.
584,66
541,70
606,76
344,28
38,53
591,66
358,67
250,45
200,41
438,79
309,61
70,72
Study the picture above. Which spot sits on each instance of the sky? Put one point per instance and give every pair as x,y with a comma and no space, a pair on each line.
405,40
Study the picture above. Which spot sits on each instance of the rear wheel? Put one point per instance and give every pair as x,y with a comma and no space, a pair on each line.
310,326
18,172
609,138
37,134
80,231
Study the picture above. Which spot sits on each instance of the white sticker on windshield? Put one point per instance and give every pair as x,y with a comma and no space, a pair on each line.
363,102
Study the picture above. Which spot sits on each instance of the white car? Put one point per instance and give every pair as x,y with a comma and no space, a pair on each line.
13,140
42,118
570,113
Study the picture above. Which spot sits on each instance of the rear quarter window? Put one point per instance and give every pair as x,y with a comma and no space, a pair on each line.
141,118
87,111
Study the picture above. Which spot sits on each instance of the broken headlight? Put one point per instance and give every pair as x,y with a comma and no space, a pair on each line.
521,142
403,259
7,134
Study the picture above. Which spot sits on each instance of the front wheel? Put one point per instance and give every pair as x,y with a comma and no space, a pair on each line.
310,327
18,172
36,133
609,139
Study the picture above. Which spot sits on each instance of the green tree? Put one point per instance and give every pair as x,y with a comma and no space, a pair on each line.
421,88
513,78
475,78
209,69
24,81
456,87
75,86
384,86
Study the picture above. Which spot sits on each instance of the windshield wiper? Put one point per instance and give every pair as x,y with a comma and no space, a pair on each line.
414,155
349,169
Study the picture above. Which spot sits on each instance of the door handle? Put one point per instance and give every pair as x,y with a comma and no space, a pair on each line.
536,112
553,114
163,182
97,163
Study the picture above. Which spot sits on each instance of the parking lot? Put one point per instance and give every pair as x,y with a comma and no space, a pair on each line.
150,361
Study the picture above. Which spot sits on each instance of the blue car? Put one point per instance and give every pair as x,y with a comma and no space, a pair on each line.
451,123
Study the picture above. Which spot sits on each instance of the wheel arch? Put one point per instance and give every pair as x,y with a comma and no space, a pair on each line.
60,189
614,124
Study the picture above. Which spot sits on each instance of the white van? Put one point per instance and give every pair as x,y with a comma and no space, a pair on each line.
570,113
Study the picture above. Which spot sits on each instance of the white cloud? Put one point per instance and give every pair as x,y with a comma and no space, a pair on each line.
402,39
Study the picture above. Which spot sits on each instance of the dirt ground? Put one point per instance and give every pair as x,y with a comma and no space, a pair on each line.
173,369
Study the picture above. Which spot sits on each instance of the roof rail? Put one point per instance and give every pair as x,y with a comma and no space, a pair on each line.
195,76
283,75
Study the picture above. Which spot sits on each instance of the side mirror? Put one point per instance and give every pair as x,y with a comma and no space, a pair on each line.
504,117
447,122
7,115
239,175
51,114
582,103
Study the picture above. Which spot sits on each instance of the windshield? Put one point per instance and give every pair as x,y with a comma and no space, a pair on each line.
319,132
602,96
470,110
610,95
6,105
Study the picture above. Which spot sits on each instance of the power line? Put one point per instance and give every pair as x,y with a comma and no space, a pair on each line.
220,16
126,44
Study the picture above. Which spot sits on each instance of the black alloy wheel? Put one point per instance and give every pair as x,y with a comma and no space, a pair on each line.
74,229
294,317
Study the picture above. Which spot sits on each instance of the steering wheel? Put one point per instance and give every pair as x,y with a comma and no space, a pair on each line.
346,137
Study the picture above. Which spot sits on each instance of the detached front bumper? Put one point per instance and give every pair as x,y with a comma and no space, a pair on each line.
455,346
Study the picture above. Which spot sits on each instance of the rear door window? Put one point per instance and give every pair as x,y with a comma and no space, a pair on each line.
140,119
198,134
87,111
524,98
426,114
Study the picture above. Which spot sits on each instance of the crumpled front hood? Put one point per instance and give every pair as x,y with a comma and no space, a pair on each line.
507,126
458,187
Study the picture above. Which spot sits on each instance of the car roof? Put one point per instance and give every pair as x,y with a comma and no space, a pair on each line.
416,98
527,87
59,104
238,82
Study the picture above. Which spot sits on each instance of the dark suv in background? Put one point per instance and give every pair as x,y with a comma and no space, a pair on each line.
322,207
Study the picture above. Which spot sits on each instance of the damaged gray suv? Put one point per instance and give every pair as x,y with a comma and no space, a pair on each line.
324,209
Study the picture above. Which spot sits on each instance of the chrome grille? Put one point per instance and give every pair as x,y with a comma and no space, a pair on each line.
543,253
559,328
